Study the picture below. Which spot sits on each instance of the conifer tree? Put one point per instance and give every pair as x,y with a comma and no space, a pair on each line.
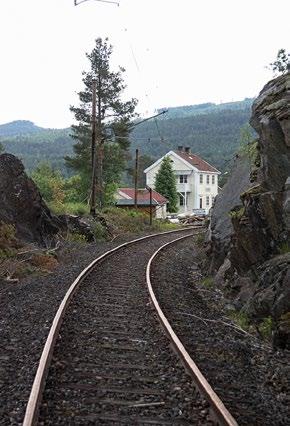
111,114
165,184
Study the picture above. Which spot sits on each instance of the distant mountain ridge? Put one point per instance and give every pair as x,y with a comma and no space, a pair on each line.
205,108
211,131
19,127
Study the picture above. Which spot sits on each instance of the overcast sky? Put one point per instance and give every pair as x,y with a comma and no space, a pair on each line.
175,52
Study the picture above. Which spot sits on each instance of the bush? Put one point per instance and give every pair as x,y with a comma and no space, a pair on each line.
207,282
265,327
99,231
8,240
240,318
76,237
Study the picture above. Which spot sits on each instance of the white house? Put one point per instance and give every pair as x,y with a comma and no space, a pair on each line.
197,180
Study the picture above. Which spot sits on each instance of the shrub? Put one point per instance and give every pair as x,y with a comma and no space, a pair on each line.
44,262
8,240
99,231
265,327
76,237
240,318
284,248
207,282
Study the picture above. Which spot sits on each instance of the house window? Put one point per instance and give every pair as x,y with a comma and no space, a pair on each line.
207,179
183,179
200,203
213,179
212,199
200,178
182,199
207,200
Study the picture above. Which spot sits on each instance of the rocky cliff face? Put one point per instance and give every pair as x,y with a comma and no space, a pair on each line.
21,204
254,247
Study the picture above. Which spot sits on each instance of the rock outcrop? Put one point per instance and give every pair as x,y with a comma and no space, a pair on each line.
253,248
22,205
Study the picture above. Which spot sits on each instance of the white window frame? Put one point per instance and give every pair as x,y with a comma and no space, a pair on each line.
182,178
207,179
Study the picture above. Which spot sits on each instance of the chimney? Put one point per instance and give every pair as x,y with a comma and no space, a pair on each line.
180,148
187,149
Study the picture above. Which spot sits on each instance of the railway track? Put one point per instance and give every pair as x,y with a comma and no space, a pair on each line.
106,358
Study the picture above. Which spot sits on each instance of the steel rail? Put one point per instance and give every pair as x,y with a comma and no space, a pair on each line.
218,409
32,408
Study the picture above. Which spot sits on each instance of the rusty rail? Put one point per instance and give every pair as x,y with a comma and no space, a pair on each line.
218,409
35,397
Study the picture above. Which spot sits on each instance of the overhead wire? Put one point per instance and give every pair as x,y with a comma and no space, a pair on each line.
124,27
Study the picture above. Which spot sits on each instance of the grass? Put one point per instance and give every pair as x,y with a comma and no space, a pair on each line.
132,221
78,209
265,328
207,282
240,318
284,248
199,239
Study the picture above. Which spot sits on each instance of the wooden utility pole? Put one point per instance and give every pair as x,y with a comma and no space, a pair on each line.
100,149
150,203
93,152
136,179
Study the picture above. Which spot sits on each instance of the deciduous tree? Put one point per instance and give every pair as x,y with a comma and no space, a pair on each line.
281,64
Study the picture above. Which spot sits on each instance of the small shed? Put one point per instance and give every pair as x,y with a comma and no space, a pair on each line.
125,198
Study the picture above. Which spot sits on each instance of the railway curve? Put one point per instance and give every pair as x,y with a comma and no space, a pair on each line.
102,370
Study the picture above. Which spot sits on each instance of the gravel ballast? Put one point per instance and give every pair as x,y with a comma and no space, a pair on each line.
250,377
113,363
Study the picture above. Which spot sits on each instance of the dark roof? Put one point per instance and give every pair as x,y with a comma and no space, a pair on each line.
130,202
196,161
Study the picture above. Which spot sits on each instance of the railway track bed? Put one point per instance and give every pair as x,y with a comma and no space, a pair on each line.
251,379
112,363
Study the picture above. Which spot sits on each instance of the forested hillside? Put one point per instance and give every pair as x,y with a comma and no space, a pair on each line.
212,131
34,144
215,136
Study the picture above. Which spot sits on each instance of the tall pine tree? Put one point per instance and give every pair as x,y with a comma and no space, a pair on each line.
111,113
165,184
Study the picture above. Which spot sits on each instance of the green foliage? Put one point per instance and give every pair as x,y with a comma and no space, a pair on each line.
76,237
49,145
284,248
207,282
112,113
78,209
144,162
126,220
165,184
246,135
7,240
215,136
280,65
99,231
237,212
213,133
265,327
240,318
74,188
50,183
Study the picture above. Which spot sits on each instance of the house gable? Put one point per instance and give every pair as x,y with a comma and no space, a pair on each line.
178,161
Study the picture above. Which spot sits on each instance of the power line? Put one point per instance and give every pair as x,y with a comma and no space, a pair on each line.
77,2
